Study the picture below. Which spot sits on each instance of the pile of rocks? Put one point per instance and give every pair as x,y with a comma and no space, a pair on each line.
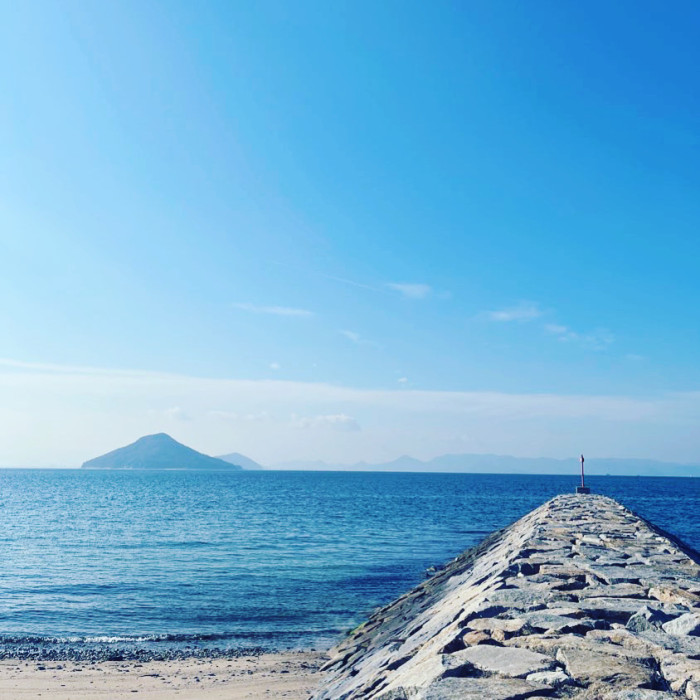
581,598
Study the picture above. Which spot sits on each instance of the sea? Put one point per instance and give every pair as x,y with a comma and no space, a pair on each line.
178,562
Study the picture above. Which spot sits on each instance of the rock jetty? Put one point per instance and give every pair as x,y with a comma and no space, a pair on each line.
581,598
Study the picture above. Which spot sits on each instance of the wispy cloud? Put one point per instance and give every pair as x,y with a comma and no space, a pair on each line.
273,310
523,311
173,413
177,413
357,339
259,417
275,366
529,311
335,421
352,336
411,291
598,339
351,283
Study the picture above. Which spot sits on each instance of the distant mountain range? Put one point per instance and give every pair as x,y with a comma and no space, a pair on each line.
158,451
503,464
163,452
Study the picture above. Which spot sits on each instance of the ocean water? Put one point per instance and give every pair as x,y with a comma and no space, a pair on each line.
201,560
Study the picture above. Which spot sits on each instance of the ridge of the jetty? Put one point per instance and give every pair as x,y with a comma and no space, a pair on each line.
581,598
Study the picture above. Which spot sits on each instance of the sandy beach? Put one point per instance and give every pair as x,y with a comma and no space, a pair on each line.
291,675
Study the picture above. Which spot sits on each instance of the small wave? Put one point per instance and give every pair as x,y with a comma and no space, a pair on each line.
185,544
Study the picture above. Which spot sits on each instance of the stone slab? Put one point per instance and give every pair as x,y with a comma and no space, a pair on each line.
481,689
505,661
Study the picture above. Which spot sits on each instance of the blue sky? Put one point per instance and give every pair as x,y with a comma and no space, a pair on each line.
396,200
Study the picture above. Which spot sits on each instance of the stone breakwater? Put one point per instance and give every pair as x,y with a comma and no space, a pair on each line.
580,598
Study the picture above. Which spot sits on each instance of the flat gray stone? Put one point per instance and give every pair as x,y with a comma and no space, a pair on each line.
618,574
679,671
544,622
481,689
610,609
553,679
517,598
618,590
638,694
586,666
688,624
506,661
677,644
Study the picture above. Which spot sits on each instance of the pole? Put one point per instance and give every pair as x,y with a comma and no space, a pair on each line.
583,488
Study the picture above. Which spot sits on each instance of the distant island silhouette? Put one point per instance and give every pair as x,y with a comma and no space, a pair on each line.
159,451
241,460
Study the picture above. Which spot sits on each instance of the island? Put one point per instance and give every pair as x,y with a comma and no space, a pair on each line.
158,451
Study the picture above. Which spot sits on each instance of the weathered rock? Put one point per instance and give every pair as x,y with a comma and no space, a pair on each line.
588,666
620,590
544,622
674,594
680,671
608,609
617,574
647,618
480,689
637,694
689,623
505,661
553,679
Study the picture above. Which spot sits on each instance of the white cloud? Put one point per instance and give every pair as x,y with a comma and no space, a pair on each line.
556,329
527,311
524,311
351,283
245,417
402,380
275,366
336,421
599,339
273,310
356,338
411,291
177,413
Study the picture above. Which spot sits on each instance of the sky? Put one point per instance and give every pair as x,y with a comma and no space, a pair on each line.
350,230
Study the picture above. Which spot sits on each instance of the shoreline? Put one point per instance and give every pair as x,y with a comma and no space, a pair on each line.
97,653
293,675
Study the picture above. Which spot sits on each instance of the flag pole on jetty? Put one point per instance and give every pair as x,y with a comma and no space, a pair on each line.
583,488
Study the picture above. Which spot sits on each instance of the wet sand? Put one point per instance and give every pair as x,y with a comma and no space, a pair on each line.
290,675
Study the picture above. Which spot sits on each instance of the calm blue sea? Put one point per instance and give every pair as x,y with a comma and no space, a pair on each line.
274,559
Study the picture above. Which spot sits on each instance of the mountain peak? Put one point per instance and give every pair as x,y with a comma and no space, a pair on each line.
158,451
156,437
